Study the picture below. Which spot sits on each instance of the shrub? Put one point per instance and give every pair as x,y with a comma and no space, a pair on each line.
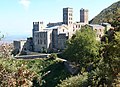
5,50
22,77
75,81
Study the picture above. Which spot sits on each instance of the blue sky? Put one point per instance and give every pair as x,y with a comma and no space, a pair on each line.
16,16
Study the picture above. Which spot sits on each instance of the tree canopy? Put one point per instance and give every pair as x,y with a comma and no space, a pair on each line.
82,47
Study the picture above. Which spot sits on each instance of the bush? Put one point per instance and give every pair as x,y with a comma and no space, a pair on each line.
39,72
75,81
22,77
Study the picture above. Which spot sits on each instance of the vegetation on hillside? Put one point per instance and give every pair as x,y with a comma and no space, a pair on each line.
101,62
107,15
36,73
75,81
98,63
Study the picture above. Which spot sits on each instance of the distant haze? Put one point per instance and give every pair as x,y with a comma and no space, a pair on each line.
10,39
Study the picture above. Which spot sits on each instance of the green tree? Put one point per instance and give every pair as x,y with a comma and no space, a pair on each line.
116,23
110,53
108,66
83,47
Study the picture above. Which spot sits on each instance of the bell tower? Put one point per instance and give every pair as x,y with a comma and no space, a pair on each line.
68,16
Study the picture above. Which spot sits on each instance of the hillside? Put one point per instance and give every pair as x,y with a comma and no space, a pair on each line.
39,72
108,14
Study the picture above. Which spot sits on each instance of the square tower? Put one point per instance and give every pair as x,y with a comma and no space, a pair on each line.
35,28
84,16
68,16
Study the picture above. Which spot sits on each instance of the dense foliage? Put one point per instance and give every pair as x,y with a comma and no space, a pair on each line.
102,66
110,51
37,72
83,47
116,23
75,81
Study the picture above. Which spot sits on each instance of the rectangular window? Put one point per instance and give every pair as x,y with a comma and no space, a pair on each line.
38,41
63,30
44,41
41,35
69,14
44,35
38,35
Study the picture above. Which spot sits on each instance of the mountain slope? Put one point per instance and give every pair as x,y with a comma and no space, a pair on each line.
108,14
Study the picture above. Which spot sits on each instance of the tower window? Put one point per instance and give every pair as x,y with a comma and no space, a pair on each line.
44,41
38,41
40,34
44,35
63,30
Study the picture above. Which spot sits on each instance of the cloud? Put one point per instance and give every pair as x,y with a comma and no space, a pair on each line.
25,3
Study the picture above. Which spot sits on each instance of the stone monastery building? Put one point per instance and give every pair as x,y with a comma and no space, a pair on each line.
54,36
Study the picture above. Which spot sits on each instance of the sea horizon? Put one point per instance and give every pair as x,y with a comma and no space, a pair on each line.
10,39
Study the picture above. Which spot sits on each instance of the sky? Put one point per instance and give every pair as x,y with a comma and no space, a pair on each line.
17,16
